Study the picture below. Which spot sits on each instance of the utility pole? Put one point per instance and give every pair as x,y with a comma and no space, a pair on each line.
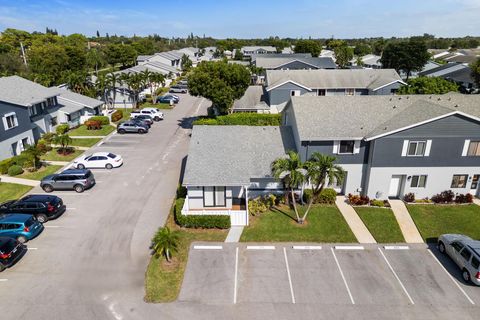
23,53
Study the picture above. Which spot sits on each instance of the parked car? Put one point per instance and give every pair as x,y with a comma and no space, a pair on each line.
11,250
19,226
71,179
465,252
145,118
105,160
166,99
132,126
184,82
169,96
142,122
43,207
178,89
155,113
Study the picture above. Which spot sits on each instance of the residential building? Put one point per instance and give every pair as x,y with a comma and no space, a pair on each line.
455,72
369,61
293,63
248,51
75,108
254,100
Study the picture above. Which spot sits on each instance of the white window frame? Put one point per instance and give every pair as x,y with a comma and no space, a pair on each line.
295,93
418,181
5,121
336,147
466,148
406,148
466,180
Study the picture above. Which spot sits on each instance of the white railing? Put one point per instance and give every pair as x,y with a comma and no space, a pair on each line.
237,217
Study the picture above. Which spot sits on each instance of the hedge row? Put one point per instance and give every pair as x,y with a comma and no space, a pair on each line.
104,120
246,119
199,221
117,115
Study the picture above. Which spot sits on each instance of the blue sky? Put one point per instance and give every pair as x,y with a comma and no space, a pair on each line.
247,18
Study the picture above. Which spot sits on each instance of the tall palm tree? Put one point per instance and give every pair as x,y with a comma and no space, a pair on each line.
291,171
165,242
113,79
156,80
321,169
135,82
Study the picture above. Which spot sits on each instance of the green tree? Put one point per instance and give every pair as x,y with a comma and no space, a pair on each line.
428,85
220,82
308,46
63,140
321,169
343,55
135,83
165,242
475,66
32,154
112,80
406,56
46,62
238,55
186,63
362,49
291,171
94,59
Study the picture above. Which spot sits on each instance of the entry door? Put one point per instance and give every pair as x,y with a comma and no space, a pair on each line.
395,184
474,187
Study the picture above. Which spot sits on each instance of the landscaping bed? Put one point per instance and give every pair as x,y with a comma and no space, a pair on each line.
83,131
40,173
156,105
53,155
381,223
434,220
12,191
88,142
324,223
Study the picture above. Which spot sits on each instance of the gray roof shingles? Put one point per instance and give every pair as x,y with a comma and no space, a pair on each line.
23,92
253,99
314,62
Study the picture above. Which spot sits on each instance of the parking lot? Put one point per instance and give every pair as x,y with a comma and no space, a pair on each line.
327,274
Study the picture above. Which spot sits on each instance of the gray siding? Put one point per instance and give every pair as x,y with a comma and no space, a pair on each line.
326,148
448,136
289,120
387,90
282,93
23,119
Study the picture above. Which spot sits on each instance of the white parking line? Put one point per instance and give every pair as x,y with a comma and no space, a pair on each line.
236,278
53,227
454,281
343,277
32,248
3,280
260,247
68,208
349,248
396,276
307,247
396,247
207,247
288,273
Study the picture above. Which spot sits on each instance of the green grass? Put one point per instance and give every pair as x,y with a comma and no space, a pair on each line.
54,156
126,114
40,173
88,142
163,280
12,191
324,224
381,223
156,105
82,131
434,220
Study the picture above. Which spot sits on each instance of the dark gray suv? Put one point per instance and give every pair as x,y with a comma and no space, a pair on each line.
71,179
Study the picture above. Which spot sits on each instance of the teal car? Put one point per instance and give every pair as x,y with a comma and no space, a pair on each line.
22,227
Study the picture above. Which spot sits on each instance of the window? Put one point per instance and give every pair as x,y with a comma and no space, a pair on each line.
475,181
474,149
459,180
294,93
346,146
349,92
25,143
416,148
466,254
457,246
214,197
475,262
320,92
418,181
10,121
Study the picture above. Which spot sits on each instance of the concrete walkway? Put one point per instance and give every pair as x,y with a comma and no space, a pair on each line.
26,182
354,222
57,163
405,221
234,234
476,201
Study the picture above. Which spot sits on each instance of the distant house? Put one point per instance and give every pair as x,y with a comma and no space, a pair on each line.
293,62
192,53
170,58
287,50
456,72
369,61
248,51
74,106
254,100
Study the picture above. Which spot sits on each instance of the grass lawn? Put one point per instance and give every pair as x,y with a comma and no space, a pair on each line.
381,223
163,280
11,191
434,220
82,131
54,156
324,224
88,142
156,105
40,173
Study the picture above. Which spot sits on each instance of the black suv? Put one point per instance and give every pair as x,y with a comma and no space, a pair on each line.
43,207
10,251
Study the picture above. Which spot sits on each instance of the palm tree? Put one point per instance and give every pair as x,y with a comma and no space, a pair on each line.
156,79
292,172
165,242
135,82
63,140
112,80
320,170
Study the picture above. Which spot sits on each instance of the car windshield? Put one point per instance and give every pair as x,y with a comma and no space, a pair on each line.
111,155
88,157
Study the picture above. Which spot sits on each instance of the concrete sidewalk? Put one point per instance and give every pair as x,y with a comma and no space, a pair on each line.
26,182
476,201
234,234
405,221
354,222
57,163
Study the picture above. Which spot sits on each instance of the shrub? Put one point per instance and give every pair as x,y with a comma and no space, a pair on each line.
15,170
43,146
6,164
327,196
48,137
181,191
117,115
444,197
424,200
62,128
93,125
377,203
199,221
358,200
102,119
245,119
307,195
464,198
261,204
409,197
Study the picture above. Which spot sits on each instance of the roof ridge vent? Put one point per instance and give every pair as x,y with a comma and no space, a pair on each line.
439,99
394,106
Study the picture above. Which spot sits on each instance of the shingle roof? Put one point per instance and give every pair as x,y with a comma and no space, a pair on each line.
333,79
72,97
143,58
231,155
255,48
253,99
443,69
170,55
272,63
343,117
282,56
23,92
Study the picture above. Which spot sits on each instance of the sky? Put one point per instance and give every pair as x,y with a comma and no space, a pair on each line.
246,18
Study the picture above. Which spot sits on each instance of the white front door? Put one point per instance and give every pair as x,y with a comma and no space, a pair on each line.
395,183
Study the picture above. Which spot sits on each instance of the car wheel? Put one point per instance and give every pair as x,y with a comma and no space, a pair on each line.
466,275
21,239
108,166
42,218
156,118
78,188
47,188
121,131
441,247
80,166
141,131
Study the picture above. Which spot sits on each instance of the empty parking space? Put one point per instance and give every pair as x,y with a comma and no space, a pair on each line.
209,277
315,277
263,276
369,278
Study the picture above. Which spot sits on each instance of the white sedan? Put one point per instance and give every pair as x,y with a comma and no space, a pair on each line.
98,160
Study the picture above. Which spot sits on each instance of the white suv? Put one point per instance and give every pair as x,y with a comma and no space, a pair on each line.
155,113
